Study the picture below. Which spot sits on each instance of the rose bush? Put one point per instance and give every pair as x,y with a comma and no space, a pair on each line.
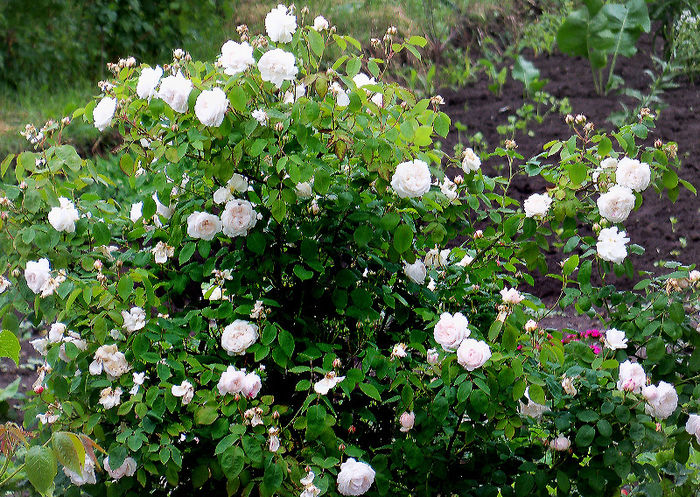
287,302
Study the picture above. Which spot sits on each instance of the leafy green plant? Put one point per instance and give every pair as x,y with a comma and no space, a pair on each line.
526,72
601,32
498,78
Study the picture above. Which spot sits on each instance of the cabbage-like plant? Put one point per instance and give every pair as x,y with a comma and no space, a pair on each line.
293,298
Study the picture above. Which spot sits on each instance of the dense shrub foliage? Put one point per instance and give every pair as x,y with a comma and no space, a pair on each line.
301,302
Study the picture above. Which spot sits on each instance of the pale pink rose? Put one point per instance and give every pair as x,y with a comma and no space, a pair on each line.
407,420
355,478
251,385
472,354
231,381
561,443
450,330
631,378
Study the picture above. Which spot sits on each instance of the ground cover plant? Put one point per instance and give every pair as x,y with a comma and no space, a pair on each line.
281,292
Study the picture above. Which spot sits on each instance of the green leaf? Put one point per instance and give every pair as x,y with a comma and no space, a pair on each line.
67,451
570,265
286,341
232,461
206,415
370,391
585,436
536,394
442,124
577,173
40,468
186,252
316,42
125,287
403,238
302,273
322,181
9,346
239,99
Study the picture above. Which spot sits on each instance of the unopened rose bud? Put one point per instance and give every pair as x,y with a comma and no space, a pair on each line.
178,53
437,100
275,415
404,105
580,119
174,127
569,119
242,28
458,180
531,325
304,10
337,363
236,397
644,112
588,127
65,121
97,265
658,143
671,150
279,127
352,429
16,272
341,447
478,234
511,145
391,30
375,43
38,389
23,185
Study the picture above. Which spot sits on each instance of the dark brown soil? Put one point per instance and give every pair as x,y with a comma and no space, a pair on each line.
481,111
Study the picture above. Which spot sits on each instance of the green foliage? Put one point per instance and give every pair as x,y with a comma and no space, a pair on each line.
600,32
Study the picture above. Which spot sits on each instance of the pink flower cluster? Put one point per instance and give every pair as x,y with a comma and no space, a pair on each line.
585,335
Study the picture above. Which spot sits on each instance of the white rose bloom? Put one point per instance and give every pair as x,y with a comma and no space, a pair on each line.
432,357
532,409
238,218
361,80
40,345
276,66
470,162
378,99
411,179
136,212
274,441
236,57
662,400
174,91
320,23
63,217
56,332
329,381
211,106
472,354
304,190
449,189
203,225
48,418
431,284
184,390
251,385
611,245
148,81
110,398
399,350
134,320
436,258
231,381
87,475
631,378
238,336
416,272
104,112
560,444
608,163
341,96
633,174
615,339
616,204
280,24
537,205
75,339
109,359
465,261
407,421
568,385
451,330
162,251
692,426
291,95
260,116
161,210
355,478
511,296
128,468
693,276
5,284
138,378
37,274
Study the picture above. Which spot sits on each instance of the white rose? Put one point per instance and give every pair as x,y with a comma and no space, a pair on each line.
355,477
37,274
146,87
537,205
611,245
378,99
274,442
449,189
128,468
162,251
280,24
184,390
568,385
361,80
662,400
251,385
292,95
5,284
238,336
432,357
231,381
134,320
692,426
608,163
136,211
631,378
329,381
416,272
411,179
532,409
63,217
399,350
238,218
341,96
320,23
407,421
511,296
450,330
236,57
104,112
472,354
211,106
615,339
260,116
174,91
110,398
437,258
470,162
276,66
465,261
633,174
616,204
203,225
56,332
304,190
693,276
75,339
87,475
561,443
161,210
